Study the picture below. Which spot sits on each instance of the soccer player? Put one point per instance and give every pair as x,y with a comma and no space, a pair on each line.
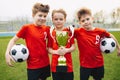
59,19
88,40
34,34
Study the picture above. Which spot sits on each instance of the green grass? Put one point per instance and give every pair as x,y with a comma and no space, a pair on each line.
18,72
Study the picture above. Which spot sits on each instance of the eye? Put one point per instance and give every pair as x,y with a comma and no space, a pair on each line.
87,19
40,15
83,21
56,19
45,16
61,19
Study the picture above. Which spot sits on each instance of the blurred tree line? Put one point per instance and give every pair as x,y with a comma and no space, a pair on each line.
100,19
113,17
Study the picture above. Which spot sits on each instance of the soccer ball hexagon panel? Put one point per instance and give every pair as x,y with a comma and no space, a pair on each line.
107,45
19,52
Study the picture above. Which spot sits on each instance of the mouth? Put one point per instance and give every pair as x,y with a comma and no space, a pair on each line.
87,24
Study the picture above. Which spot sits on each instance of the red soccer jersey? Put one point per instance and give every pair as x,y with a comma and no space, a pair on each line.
35,38
53,44
88,44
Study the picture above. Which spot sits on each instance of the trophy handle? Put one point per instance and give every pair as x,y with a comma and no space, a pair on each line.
72,31
51,30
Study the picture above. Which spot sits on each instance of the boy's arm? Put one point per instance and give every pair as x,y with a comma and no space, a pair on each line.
58,51
68,50
7,55
117,44
50,50
62,50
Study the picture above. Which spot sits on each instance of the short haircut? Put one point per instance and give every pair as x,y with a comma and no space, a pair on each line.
59,11
83,11
38,7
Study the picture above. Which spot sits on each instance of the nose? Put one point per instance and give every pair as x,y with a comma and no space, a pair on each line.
43,18
58,21
86,21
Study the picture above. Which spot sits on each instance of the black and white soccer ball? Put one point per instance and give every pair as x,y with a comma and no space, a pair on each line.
107,45
19,52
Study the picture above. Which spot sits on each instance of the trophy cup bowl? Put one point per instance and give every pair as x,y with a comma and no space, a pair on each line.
62,39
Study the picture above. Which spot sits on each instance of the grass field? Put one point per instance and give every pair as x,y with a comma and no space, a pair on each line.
18,72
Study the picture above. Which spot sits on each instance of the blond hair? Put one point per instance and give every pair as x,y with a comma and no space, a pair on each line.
59,11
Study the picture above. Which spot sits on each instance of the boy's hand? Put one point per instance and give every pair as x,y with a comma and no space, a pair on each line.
118,52
63,50
60,51
9,60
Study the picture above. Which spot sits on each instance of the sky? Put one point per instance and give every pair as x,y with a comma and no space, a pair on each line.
10,9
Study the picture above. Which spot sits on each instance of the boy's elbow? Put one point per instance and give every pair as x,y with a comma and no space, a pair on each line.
74,48
14,39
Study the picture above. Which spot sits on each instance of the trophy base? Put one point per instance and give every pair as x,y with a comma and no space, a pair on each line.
61,68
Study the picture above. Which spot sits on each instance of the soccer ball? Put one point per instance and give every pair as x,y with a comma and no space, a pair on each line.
19,52
107,45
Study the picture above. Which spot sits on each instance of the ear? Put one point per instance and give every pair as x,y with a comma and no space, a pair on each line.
93,18
52,19
79,22
33,15
65,19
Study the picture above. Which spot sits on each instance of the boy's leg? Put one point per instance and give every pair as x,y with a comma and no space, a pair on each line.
69,76
98,73
97,79
32,74
84,73
41,73
42,79
62,76
57,76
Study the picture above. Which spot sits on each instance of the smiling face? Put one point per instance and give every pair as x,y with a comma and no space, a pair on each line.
85,18
40,18
58,20
86,21
39,13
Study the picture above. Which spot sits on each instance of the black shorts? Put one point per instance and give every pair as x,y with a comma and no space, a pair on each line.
96,73
41,73
62,75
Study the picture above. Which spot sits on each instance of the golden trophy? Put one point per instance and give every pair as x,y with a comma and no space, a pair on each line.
62,39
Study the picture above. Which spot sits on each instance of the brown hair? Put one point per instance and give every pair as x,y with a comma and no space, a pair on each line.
83,11
59,11
38,7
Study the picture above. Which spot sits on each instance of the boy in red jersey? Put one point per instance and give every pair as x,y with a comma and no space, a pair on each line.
88,40
59,18
35,34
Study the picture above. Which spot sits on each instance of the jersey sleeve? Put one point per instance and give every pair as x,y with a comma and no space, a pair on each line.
72,40
105,33
22,32
49,43
48,31
75,32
